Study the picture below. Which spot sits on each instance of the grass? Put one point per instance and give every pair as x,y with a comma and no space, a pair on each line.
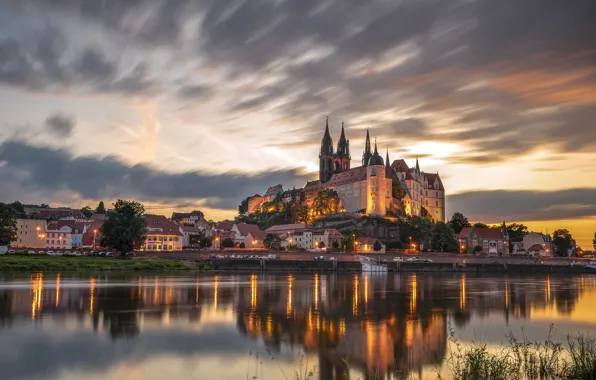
574,359
17,263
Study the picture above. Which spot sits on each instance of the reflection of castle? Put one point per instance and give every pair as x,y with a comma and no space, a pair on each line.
377,323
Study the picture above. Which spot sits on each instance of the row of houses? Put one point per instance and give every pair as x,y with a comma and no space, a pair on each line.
496,241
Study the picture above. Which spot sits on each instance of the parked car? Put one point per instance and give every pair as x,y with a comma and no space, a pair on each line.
51,253
130,255
59,253
12,251
31,252
78,253
413,259
398,259
67,253
109,254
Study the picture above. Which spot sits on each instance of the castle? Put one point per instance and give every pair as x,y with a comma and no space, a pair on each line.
367,188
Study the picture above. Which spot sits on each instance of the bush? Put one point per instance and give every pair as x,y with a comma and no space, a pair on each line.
321,244
242,245
335,245
377,246
228,243
477,249
396,244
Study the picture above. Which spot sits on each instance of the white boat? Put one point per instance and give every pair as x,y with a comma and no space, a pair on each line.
371,265
591,267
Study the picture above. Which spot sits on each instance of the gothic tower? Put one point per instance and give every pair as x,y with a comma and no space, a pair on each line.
342,156
326,156
367,153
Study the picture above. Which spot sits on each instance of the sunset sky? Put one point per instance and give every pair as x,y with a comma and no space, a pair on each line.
197,104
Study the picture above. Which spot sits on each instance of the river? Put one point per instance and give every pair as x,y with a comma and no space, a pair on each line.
236,326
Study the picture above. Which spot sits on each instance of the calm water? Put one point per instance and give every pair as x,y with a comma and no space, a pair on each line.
234,326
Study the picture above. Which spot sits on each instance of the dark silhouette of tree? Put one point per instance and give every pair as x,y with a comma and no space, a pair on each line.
458,222
377,246
125,228
272,241
87,211
563,242
101,209
443,238
227,243
8,224
481,225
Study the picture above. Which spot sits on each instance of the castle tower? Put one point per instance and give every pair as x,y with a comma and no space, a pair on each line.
326,156
367,153
342,156
387,165
376,184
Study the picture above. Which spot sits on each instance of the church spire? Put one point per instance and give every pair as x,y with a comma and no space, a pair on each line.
387,157
376,151
417,166
367,153
327,142
343,149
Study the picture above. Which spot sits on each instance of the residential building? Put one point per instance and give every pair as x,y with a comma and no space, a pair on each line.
535,238
194,218
162,234
287,229
302,240
254,239
191,235
242,229
58,237
60,213
272,192
77,230
366,245
30,233
540,250
326,237
92,234
492,241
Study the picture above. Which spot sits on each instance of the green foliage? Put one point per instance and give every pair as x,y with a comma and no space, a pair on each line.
417,228
458,222
481,225
477,249
517,231
563,242
396,244
17,207
87,211
125,228
227,243
205,242
242,245
101,209
326,202
243,206
397,189
335,245
272,241
443,238
377,246
8,224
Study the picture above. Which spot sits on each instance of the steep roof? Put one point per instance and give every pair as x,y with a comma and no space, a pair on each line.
257,235
77,227
488,233
96,216
286,227
536,247
224,226
246,228
431,180
312,185
190,229
353,175
274,190
159,221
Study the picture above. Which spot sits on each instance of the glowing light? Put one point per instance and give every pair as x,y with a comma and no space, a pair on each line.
316,290
215,291
355,296
547,288
58,290
413,294
197,292
506,294
253,291
91,296
462,292
409,333
37,285
365,290
289,304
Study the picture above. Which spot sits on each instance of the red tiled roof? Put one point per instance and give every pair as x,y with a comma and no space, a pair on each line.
159,221
274,190
312,185
224,226
76,226
257,235
333,232
282,228
489,233
353,175
191,229
431,180
56,213
98,216
536,247
245,228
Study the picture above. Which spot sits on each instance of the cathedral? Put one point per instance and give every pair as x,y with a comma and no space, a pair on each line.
368,188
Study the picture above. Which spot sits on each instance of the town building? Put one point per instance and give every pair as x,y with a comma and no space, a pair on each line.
58,237
191,235
366,189
367,245
162,234
326,237
30,233
254,239
302,240
92,235
241,230
492,241
534,239
77,229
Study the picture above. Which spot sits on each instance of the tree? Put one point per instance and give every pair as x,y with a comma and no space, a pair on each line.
443,238
594,241
563,242
101,209
227,243
377,246
272,241
326,202
397,189
205,242
517,231
477,249
415,229
335,244
458,222
8,224
87,211
125,228
17,207
243,207
242,245
481,225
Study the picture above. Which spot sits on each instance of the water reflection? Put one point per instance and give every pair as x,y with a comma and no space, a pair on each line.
378,323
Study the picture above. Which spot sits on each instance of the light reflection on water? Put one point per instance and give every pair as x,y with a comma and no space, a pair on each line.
214,326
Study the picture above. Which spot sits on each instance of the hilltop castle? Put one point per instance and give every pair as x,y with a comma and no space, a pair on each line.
367,188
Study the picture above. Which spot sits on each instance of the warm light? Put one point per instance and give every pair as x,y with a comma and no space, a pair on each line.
94,231
217,239
253,291
37,228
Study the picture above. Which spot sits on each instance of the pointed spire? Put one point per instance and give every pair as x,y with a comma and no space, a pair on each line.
376,151
387,157
367,143
417,165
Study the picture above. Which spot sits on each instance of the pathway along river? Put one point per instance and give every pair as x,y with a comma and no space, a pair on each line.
147,326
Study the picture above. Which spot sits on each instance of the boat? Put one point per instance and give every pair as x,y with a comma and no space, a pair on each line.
591,267
369,264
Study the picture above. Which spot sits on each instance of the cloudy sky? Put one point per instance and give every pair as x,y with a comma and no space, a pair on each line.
197,104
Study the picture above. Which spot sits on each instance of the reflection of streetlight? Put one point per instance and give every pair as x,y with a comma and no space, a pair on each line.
94,236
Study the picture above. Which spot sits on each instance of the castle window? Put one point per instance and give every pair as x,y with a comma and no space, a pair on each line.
437,203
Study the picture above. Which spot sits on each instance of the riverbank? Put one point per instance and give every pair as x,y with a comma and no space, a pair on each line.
75,263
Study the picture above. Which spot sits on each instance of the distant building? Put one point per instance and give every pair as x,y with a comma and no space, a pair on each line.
58,237
241,230
77,230
60,213
540,250
367,244
30,233
92,234
191,235
272,192
254,204
532,239
326,237
162,234
254,239
492,240
303,240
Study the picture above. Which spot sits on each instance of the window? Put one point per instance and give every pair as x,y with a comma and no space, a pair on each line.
437,203
159,247
176,238
437,194
426,193
484,244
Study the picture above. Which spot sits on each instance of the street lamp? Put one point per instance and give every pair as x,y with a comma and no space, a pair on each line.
354,242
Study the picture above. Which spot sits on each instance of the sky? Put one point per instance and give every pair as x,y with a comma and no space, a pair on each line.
196,104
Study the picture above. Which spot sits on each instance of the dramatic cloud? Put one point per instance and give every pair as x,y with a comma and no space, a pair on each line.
51,170
493,206
60,124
